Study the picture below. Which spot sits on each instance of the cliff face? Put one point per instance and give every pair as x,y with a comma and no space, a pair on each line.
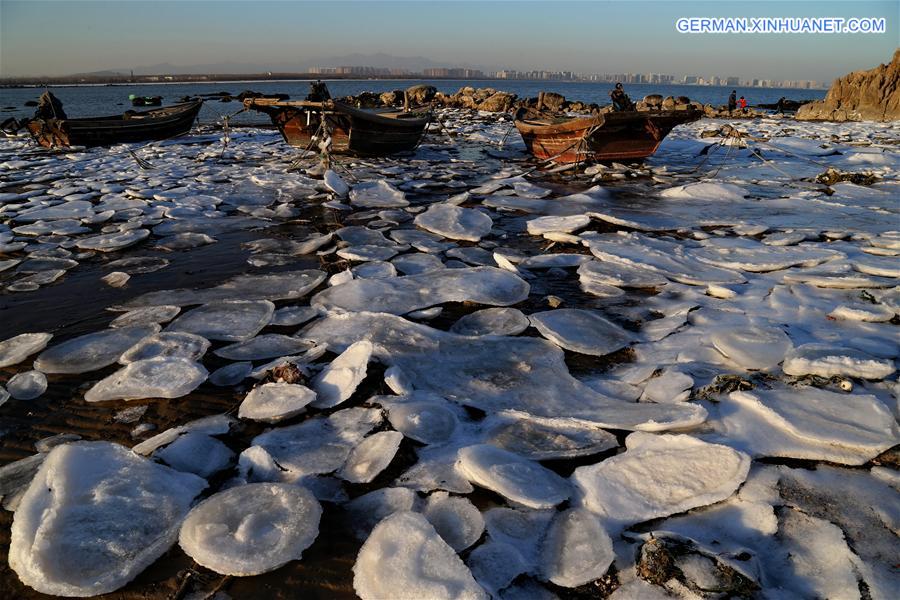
872,95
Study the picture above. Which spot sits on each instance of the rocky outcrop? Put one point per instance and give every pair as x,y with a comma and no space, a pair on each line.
498,102
872,95
421,94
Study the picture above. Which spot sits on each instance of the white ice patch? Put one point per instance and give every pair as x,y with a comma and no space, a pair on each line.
251,529
827,361
405,557
494,373
92,351
371,456
400,295
806,423
95,516
151,378
543,439
455,222
17,348
315,446
752,347
342,376
659,475
226,320
274,402
577,550
492,321
196,453
268,345
619,275
455,519
428,420
167,345
518,479
582,331
377,194
541,225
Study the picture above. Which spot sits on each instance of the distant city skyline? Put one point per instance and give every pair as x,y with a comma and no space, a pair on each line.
50,38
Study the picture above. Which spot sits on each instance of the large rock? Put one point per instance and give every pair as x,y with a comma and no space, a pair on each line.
553,101
498,102
872,95
421,94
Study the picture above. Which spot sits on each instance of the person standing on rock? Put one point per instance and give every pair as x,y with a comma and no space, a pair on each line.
780,106
732,102
742,104
620,99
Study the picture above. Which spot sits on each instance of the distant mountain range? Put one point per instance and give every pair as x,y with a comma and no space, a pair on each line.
388,61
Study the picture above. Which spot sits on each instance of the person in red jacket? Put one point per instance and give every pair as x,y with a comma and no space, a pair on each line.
742,104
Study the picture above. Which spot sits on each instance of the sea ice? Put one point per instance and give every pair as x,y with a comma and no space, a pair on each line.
455,222
428,420
226,320
568,224
95,516
293,315
27,385
17,348
806,423
414,264
752,347
492,321
196,453
406,559
543,439
665,256
151,378
400,295
110,242
231,374
827,361
274,402
268,345
671,385
286,285
334,183
340,378
167,345
319,445
455,519
495,565
368,510
92,351
577,550
251,529
371,456
494,372
516,478
146,316
659,475
377,194
580,330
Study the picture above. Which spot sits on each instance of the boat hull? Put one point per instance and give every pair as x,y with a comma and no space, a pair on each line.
352,130
631,135
159,124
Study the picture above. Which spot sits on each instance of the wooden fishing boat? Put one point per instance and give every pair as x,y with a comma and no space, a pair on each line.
367,132
625,135
157,124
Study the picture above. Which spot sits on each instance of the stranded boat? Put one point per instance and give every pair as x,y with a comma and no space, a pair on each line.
51,128
368,132
624,135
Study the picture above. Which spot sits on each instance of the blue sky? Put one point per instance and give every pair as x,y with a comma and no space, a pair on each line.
40,37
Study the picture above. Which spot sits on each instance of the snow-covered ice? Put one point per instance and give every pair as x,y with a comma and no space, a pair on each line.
520,480
94,517
150,378
251,529
405,558
274,402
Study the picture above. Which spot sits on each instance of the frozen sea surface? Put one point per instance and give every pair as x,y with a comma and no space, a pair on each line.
449,375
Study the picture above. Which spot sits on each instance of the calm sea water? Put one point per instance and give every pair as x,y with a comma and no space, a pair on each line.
82,101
